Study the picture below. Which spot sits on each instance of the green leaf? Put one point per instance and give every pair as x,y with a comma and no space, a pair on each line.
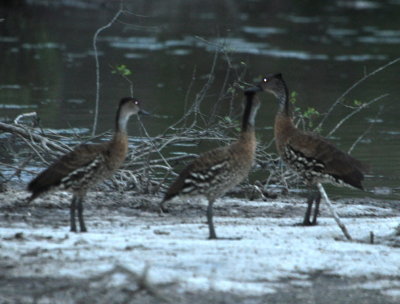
310,112
230,90
293,97
228,119
122,69
318,130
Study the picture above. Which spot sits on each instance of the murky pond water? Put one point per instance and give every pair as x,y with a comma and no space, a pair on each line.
321,47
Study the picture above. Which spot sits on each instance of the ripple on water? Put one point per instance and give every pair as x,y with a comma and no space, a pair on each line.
374,120
180,52
44,45
16,106
76,56
301,55
234,45
391,132
146,43
76,101
386,33
237,45
341,32
149,43
359,57
10,86
134,56
302,19
379,40
262,31
380,36
359,4
6,39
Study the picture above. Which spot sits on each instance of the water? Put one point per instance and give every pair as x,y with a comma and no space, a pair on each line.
321,47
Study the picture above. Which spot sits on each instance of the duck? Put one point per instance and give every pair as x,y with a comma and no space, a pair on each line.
217,171
88,164
315,159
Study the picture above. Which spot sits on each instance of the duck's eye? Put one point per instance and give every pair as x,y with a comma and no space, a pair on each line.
265,79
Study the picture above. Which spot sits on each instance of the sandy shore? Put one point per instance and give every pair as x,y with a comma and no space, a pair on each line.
132,254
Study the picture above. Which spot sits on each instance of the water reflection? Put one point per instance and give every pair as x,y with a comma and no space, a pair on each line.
40,46
359,4
262,32
17,106
360,57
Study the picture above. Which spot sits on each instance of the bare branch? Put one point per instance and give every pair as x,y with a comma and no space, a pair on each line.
96,57
381,68
355,111
333,212
364,133
28,134
24,115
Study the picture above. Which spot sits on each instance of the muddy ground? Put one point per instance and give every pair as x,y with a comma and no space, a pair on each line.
132,254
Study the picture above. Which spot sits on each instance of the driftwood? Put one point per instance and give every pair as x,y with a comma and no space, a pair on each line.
341,225
35,139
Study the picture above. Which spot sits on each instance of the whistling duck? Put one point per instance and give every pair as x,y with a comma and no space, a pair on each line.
216,171
314,158
87,164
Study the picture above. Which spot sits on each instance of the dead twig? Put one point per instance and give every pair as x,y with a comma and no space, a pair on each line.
48,144
333,212
359,138
345,93
96,57
355,111
24,115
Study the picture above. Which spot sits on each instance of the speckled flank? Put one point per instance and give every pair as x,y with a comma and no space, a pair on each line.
87,164
218,170
314,158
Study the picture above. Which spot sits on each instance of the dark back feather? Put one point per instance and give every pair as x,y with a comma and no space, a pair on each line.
336,163
50,178
179,184
216,171
200,168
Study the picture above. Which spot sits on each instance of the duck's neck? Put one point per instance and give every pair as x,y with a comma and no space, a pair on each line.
283,100
121,134
249,115
121,122
120,138
284,127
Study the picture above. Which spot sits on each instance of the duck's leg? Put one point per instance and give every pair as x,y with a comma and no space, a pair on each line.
80,215
72,213
314,196
316,208
213,235
307,215
163,208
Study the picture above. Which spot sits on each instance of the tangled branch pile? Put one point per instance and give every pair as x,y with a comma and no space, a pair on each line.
154,160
